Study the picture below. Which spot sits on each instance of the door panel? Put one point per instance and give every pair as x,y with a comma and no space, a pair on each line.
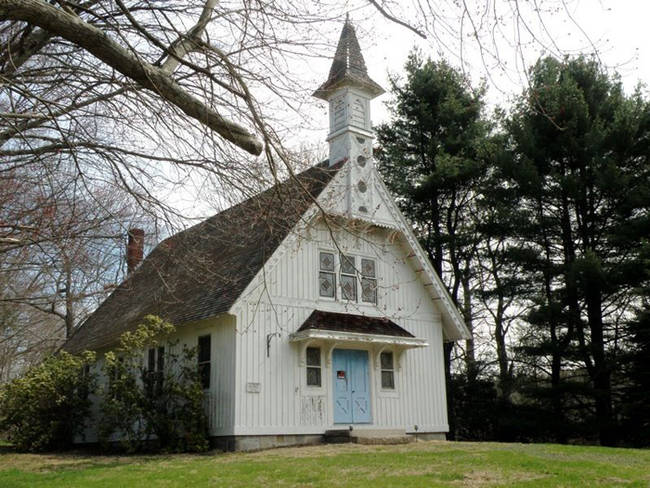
360,387
351,386
342,397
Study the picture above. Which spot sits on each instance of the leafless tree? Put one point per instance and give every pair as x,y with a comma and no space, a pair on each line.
138,98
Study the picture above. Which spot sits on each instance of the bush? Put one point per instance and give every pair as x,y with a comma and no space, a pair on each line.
152,409
47,407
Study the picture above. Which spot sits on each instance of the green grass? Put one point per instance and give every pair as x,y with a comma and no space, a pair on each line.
445,464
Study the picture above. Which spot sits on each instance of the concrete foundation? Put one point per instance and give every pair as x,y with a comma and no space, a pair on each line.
259,442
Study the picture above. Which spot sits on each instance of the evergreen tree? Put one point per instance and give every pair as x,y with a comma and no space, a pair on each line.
579,177
430,156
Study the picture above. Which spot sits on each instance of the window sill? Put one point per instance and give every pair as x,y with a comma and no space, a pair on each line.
313,391
388,394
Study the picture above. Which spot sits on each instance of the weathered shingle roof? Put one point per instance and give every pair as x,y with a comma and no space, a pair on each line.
348,66
200,272
343,322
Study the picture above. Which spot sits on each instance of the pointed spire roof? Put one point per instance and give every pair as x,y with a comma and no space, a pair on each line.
348,67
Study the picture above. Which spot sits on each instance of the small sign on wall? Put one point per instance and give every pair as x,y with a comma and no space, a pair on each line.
253,387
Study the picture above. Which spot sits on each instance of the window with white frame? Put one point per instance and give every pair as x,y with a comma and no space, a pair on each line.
326,276
155,368
353,272
313,366
348,278
368,281
387,370
204,358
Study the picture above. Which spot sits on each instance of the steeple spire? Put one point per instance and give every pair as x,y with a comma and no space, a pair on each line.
348,67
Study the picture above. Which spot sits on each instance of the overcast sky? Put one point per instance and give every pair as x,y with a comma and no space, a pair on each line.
617,29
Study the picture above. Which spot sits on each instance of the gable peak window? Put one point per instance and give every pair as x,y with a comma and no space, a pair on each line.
357,277
348,278
368,281
326,276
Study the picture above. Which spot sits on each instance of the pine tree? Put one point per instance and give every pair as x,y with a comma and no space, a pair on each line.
580,176
431,157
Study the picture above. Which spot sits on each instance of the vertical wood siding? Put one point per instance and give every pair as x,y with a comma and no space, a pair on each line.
279,302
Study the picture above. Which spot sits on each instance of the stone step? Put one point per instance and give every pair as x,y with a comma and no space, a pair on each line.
338,433
382,433
390,440
367,436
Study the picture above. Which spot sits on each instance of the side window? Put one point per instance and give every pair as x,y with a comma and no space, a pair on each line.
387,371
326,276
155,370
313,366
204,360
348,278
368,281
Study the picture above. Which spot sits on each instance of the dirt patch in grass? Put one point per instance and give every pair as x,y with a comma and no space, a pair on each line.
480,478
51,462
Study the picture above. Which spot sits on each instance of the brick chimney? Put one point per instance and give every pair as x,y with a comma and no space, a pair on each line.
134,249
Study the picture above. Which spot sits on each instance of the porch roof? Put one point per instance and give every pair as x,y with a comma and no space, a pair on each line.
342,327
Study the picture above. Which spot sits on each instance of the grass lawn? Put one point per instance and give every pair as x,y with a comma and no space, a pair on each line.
435,463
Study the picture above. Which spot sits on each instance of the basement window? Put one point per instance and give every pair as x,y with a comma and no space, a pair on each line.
204,354
313,366
387,371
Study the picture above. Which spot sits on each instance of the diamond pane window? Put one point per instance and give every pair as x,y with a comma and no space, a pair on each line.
326,284
369,290
368,281
368,268
348,265
313,366
349,287
326,261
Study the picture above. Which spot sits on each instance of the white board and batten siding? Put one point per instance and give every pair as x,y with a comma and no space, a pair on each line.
220,397
271,394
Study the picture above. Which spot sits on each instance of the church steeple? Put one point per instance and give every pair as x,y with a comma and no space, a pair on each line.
348,90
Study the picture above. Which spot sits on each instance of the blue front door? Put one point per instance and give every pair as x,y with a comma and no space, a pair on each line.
351,386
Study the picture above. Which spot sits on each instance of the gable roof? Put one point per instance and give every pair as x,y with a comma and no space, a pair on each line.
201,271
348,66
344,322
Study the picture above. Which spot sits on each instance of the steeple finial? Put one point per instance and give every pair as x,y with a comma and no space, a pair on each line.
348,66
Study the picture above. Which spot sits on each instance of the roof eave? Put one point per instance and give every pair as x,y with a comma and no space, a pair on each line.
327,89
357,337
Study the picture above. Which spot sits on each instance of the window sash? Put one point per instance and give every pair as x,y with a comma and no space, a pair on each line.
204,358
326,261
313,360
368,290
329,290
314,376
348,287
387,364
348,265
